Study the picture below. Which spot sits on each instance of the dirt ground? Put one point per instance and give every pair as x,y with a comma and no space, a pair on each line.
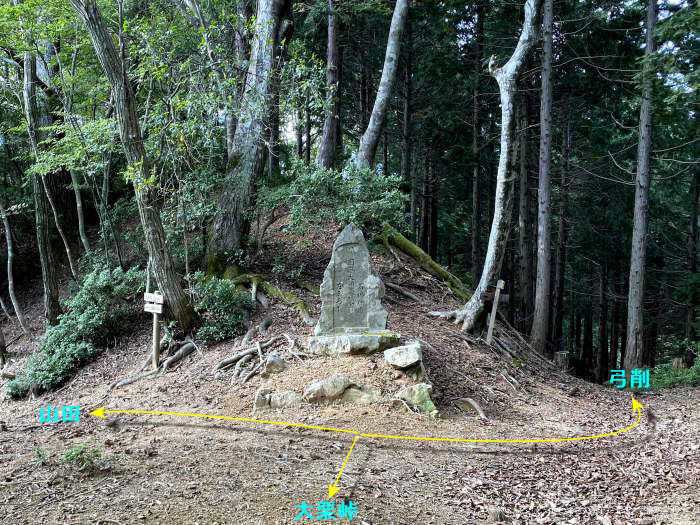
174,469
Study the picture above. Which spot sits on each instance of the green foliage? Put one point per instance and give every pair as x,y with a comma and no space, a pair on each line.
665,376
316,196
86,459
93,315
286,267
223,308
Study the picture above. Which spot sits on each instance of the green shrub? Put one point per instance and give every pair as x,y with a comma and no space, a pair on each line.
94,315
222,307
665,376
86,459
316,196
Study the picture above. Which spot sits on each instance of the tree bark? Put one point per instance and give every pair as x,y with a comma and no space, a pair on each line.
327,150
10,273
693,251
506,76
587,350
540,328
635,306
230,226
524,223
370,138
477,210
614,326
560,260
132,141
52,307
307,134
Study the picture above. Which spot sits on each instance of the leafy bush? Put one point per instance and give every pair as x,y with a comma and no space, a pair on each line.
316,196
92,316
222,307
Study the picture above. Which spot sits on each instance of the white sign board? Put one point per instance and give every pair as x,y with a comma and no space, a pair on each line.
153,308
153,298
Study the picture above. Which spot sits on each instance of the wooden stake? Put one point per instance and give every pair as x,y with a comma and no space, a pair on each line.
156,340
499,286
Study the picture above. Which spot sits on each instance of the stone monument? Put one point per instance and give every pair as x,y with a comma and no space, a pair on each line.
353,320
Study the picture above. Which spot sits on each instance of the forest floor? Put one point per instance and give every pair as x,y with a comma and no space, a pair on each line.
172,469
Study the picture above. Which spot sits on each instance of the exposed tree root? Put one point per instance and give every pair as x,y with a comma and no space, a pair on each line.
402,291
184,351
391,236
241,359
256,282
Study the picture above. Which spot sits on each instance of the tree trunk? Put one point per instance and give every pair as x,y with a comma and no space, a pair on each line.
692,251
406,124
81,215
307,134
300,133
587,350
506,76
540,328
327,150
370,138
560,265
524,223
635,306
10,273
603,359
230,226
477,210
52,307
132,141
614,326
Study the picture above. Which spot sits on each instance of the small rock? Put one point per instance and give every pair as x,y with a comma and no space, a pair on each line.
285,399
328,389
262,397
361,395
274,364
404,356
419,397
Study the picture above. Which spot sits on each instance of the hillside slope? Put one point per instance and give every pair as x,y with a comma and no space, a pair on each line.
170,469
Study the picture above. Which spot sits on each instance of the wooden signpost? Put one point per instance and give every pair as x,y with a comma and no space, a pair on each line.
501,284
154,305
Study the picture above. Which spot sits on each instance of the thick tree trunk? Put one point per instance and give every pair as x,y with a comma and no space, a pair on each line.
10,273
635,307
524,222
52,307
230,224
327,150
370,138
477,210
506,76
540,328
603,359
693,251
132,141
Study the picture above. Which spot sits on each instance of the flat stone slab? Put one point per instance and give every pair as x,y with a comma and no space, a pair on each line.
353,344
404,356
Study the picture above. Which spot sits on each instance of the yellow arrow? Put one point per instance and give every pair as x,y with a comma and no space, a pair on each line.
333,488
636,407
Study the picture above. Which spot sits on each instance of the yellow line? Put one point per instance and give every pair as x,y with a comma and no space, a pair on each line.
383,436
466,440
230,418
335,483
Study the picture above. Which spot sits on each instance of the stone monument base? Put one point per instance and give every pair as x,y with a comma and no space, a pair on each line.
353,344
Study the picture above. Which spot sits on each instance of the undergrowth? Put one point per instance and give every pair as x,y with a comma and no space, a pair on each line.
665,376
222,307
87,459
96,313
